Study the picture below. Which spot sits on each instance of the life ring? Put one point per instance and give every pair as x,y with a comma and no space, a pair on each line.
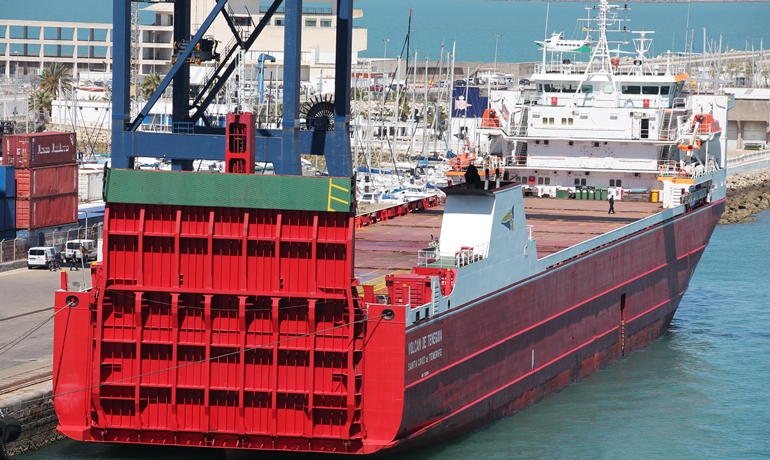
682,172
629,104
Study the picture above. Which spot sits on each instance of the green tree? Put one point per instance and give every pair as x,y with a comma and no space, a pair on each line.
40,100
150,83
54,76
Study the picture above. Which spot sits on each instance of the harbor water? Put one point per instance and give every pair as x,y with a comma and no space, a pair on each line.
699,392
473,23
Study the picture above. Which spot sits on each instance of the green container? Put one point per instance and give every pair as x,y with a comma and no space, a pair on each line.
604,194
584,193
591,194
331,194
562,194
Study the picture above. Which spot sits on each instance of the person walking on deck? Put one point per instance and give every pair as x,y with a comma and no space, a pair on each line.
612,205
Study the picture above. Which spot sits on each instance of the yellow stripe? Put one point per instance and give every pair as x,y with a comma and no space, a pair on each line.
339,187
332,185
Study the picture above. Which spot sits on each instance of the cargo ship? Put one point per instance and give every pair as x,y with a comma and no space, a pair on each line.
252,312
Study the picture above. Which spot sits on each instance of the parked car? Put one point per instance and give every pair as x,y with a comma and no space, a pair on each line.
41,256
73,248
461,82
524,82
377,87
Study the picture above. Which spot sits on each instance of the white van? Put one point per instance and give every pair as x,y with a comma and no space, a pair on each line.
73,249
41,256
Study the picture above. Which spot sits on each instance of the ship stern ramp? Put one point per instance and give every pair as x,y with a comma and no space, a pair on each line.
225,314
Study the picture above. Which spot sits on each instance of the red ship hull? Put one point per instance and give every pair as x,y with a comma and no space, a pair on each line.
236,328
577,318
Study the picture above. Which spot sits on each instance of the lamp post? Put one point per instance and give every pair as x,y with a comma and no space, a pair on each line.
497,39
16,90
384,56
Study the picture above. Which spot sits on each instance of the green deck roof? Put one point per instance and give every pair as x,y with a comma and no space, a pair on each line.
298,193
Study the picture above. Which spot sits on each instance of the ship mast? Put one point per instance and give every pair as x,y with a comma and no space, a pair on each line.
601,53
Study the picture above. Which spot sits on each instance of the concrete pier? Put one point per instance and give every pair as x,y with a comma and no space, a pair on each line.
25,368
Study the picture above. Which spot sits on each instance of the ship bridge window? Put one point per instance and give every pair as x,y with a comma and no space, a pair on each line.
552,87
544,180
664,89
616,183
650,89
580,182
539,87
631,89
569,88
587,89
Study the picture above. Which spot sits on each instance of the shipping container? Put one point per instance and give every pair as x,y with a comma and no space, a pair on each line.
46,181
46,211
39,149
7,182
8,211
90,184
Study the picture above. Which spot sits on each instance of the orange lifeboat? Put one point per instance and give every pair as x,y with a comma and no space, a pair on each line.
490,120
706,124
462,161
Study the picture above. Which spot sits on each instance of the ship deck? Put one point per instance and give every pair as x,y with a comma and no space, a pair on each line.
391,246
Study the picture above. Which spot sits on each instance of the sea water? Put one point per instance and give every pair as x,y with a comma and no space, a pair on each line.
702,391
472,24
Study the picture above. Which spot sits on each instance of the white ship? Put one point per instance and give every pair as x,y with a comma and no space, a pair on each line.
633,130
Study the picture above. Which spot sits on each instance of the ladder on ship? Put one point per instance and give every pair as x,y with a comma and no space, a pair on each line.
665,127
521,128
520,153
665,154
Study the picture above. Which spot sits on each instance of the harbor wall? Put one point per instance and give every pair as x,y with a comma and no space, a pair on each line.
747,193
33,407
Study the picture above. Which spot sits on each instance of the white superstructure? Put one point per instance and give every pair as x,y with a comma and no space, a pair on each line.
625,128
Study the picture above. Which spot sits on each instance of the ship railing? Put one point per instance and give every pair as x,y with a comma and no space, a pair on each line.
680,103
668,168
435,258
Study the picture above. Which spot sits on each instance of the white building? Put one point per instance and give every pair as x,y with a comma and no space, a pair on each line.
27,46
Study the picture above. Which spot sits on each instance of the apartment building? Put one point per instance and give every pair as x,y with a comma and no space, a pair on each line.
27,46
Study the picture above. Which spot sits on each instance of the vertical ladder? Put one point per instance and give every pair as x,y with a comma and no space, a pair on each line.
666,125
521,130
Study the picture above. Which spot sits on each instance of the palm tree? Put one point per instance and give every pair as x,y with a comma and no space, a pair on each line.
150,83
54,76
40,100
